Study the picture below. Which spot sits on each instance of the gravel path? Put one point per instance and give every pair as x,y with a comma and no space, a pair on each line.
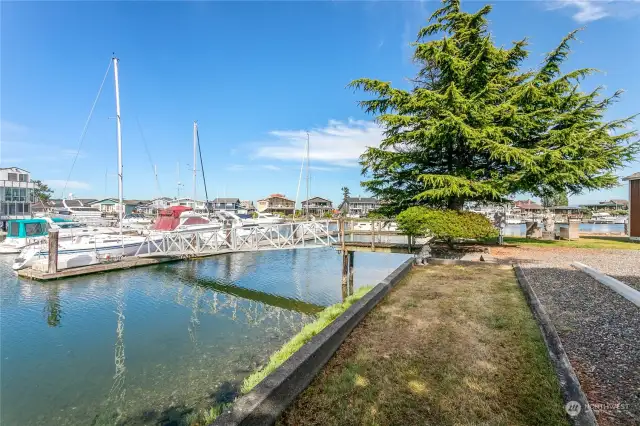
599,329
623,265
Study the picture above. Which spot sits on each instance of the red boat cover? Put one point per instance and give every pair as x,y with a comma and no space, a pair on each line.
169,219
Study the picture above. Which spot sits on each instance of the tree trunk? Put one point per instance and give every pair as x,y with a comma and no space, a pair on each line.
455,203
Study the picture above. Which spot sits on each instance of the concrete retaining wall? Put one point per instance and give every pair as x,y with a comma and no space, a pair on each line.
269,398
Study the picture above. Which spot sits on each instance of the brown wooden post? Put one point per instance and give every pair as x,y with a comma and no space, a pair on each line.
373,235
53,251
341,226
351,271
345,274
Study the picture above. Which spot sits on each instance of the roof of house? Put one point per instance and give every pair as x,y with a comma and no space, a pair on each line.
14,168
634,176
69,203
316,198
566,208
362,200
528,204
617,201
226,200
113,200
281,196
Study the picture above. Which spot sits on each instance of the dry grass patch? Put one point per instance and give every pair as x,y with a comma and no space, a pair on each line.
449,345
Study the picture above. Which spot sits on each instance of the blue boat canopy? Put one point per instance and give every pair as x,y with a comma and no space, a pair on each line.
23,228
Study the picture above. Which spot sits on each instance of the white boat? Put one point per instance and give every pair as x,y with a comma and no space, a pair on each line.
268,219
602,217
102,246
136,221
24,232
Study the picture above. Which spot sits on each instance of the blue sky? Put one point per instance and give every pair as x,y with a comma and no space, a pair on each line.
256,76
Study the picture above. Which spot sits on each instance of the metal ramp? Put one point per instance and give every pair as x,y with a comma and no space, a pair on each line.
265,237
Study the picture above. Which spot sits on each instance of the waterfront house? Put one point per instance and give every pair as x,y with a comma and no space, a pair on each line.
155,205
609,205
111,206
198,206
16,194
359,206
276,203
246,207
634,205
317,206
564,213
226,204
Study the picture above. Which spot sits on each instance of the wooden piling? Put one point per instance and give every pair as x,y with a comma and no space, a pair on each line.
351,270
53,251
373,235
345,274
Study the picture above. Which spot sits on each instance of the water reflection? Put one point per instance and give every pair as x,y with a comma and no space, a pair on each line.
146,346
52,309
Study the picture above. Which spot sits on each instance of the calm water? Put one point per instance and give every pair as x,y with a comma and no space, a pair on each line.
520,230
145,346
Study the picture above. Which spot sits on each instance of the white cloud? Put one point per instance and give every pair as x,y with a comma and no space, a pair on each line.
236,167
72,184
339,143
271,167
592,10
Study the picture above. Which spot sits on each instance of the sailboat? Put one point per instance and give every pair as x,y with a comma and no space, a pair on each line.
89,249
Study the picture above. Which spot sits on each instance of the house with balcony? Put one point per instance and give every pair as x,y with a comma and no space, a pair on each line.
317,206
226,204
16,194
359,206
276,203
198,206
247,207
155,205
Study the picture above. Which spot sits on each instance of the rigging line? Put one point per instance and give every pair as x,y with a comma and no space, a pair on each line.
298,190
86,126
206,195
146,148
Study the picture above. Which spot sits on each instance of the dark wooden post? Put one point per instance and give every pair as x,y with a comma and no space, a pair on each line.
345,274
53,251
373,235
351,271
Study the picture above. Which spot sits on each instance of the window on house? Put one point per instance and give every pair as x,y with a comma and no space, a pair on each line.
12,176
22,177
23,194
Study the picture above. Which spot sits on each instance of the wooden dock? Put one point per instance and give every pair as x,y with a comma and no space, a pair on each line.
128,263
366,246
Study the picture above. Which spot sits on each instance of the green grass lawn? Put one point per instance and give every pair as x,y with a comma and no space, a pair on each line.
583,242
450,345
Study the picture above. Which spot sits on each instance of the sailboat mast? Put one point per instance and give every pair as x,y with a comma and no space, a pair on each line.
195,136
119,136
307,175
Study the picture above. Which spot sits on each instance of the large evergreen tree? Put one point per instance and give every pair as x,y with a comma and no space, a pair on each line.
475,127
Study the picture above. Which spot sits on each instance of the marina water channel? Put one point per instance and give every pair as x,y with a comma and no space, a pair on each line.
149,345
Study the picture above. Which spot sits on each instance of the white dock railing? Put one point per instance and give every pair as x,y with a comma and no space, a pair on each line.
264,237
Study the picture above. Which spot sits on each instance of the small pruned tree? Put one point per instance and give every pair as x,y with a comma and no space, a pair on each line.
413,223
445,225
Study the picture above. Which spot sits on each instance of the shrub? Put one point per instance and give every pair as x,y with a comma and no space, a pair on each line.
413,221
447,225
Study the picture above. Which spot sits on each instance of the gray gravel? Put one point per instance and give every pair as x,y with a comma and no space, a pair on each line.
623,265
599,329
